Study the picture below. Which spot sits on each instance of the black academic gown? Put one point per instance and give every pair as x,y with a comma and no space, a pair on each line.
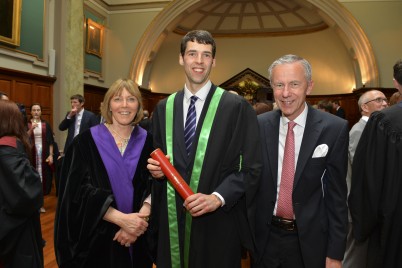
375,199
20,200
82,237
216,237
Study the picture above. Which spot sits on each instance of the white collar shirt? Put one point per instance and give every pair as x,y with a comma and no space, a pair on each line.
78,118
199,104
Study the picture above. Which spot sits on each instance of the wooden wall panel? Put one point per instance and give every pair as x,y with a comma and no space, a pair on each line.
349,101
23,92
150,99
27,88
43,95
5,86
93,97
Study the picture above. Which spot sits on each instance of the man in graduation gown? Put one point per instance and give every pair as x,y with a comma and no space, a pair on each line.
375,198
222,167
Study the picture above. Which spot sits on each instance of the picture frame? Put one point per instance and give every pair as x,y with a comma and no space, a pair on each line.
10,21
94,42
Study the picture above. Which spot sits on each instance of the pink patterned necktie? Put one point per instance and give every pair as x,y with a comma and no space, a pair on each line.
285,207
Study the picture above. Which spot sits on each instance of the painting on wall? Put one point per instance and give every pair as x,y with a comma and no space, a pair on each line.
94,38
10,21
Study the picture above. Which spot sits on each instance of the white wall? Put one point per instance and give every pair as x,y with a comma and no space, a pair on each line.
332,67
123,33
381,21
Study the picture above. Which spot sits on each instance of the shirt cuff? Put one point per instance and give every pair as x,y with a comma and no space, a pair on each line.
148,199
220,197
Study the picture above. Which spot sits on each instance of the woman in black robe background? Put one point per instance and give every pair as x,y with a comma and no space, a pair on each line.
20,194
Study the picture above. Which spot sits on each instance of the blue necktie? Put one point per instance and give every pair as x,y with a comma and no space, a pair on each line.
189,129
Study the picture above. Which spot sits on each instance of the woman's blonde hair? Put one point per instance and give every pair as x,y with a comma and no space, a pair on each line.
115,90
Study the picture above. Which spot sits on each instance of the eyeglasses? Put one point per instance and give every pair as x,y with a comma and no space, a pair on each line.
378,100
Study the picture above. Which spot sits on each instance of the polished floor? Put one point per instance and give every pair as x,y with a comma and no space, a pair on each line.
47,221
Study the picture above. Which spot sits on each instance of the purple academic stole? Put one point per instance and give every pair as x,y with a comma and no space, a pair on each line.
120,168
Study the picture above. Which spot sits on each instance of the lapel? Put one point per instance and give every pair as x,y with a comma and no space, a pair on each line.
178,126
311,134
72,124
271,134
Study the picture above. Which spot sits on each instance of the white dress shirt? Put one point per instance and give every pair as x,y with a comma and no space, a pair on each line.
78,118
199,104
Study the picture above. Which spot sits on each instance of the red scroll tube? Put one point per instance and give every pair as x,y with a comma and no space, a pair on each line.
172,175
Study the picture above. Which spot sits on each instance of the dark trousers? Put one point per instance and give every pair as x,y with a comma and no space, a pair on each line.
282,250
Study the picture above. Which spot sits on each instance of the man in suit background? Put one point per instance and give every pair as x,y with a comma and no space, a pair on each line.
369,102
77,120
375,196
301,203
146,123
339,111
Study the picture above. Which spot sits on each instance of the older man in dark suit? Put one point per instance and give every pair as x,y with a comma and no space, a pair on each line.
302,210
77,120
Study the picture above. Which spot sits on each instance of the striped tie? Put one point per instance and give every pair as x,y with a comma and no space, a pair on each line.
189,129
285,207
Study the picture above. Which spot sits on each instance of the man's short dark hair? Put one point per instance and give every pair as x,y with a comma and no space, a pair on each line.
78,97
199,36
398,71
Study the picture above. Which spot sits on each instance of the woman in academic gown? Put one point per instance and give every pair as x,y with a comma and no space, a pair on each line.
20,194
104,201
41,135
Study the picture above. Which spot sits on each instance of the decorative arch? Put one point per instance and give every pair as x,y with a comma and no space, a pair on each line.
332,11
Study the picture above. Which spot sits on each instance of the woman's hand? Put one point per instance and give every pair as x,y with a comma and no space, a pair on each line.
49,159
135,223
124,238
132,225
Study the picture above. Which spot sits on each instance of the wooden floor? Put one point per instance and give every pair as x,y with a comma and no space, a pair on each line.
47,221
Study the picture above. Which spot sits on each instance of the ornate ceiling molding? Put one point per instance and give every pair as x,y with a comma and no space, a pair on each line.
332,12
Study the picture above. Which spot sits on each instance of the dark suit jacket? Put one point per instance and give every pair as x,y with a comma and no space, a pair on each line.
340,112
88,120
319,191
146,124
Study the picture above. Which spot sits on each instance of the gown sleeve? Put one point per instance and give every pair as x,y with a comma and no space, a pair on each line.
20,190
84,197
374,161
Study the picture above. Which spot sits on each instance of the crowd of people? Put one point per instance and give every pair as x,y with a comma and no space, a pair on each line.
303,191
